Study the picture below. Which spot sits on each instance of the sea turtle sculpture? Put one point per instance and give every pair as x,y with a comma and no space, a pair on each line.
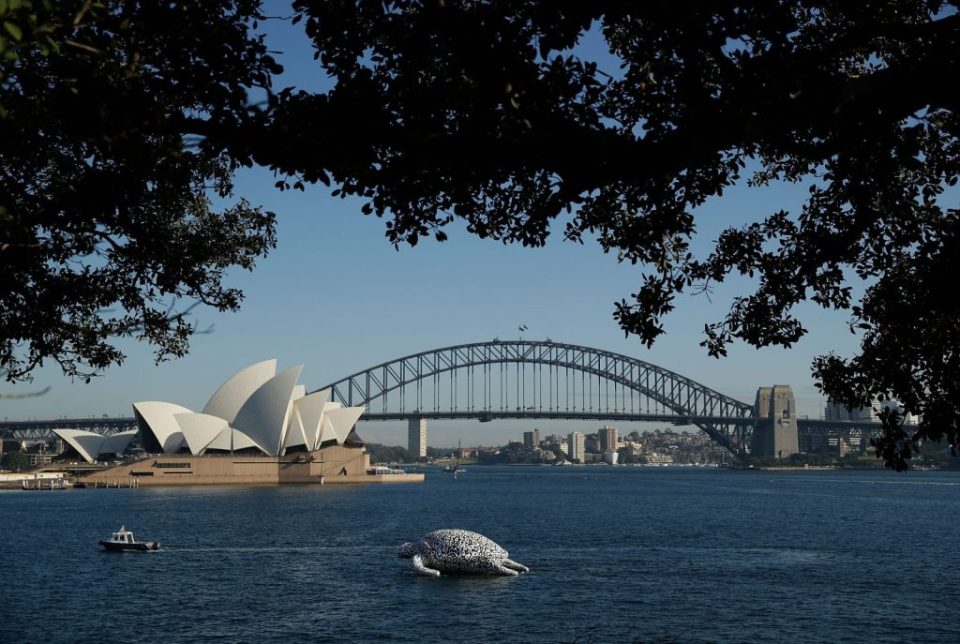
458,552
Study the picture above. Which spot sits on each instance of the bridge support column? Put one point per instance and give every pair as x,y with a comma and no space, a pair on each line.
417,436
775,434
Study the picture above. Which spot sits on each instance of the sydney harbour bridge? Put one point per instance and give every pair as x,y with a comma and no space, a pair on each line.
528,379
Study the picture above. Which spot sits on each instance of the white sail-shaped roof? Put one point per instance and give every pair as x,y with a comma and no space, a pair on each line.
310,409
199,430
327,432
87,444
223,441
343,420
118,443
158,420
242,441
254,408
294,434
265,414
231,396
90,445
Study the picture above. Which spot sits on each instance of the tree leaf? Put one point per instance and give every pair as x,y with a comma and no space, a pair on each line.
13,29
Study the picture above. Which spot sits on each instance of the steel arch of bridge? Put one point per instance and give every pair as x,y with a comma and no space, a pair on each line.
726,420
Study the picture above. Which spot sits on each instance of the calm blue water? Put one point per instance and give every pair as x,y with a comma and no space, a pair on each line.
616,555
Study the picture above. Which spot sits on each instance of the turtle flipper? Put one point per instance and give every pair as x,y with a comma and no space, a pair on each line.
500,569
417,562
513,565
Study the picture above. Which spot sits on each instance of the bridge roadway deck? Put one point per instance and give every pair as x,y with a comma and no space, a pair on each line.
486,416
42,429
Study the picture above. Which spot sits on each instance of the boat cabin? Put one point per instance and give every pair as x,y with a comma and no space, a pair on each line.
122,536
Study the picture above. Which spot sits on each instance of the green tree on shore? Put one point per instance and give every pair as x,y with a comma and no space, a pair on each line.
15,461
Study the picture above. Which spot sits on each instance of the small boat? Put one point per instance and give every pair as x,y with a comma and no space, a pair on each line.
122,541
455,467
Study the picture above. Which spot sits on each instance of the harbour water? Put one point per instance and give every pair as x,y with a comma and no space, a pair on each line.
616,555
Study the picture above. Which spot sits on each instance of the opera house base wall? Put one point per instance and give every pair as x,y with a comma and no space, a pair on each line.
336,464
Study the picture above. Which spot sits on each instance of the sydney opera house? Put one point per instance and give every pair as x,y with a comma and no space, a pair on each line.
259,427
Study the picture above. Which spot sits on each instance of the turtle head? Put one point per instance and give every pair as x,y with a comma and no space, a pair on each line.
407,550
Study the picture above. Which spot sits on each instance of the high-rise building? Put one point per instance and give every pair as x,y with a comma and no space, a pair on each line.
837,411
531,440
608,438
576,447
417,436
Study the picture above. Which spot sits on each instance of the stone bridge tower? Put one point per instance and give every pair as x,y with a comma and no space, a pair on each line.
775,434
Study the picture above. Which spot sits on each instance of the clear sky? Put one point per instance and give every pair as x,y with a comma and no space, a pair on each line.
337,297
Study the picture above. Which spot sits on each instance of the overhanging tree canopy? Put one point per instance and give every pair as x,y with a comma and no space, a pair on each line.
106,223
487,112
491,113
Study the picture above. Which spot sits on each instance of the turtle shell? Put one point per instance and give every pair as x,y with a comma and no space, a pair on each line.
460,548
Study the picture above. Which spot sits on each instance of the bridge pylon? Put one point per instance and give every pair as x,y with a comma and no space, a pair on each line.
775,434
417,436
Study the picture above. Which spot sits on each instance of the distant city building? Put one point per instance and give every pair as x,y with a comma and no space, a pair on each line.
531,439
417,436
592,444
838,411
39,458
634,448
610,457
576,451
608,438
554,439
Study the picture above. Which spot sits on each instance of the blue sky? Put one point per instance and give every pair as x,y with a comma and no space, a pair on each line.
337,297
